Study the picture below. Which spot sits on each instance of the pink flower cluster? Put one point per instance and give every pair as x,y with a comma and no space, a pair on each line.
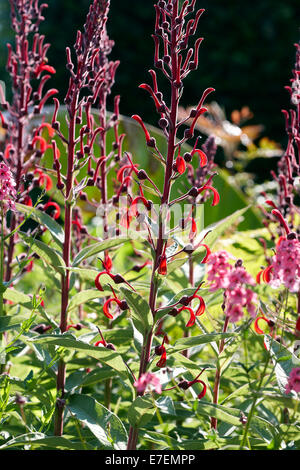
294,381
147,380
7,187
286,265
234,279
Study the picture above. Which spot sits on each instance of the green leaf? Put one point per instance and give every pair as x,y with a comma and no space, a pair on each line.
48,254
186,343
233,417
104,424
10,322
283,359
54,228
93,250
85,296
68,341
216,231
141,412
38,439
140,310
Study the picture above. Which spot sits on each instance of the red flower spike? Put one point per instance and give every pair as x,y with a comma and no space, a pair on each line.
257,329
201,308
162,268
162,360
180,164
192,319
216,198
140,121
56,207
202,156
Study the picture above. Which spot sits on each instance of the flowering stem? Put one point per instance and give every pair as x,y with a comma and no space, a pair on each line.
145,357
213,420
65,280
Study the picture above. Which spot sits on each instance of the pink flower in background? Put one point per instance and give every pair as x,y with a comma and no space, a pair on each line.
146,380
294,381
218,269
233,279
286,265
7,187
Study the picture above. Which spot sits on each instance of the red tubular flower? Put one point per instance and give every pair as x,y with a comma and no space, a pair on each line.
258,329
149,89
201,308
163,359
162,268
136,200
44,68
28,201
208,252
42,142
107,305
202,156
120,174
97,282
258,276
46,178
8,148
184,384
203,393
279,216
107,264
192,319
266,274
55,206
180,164
271,203
216,198
77,326
103,342
140,121
48,126
280,239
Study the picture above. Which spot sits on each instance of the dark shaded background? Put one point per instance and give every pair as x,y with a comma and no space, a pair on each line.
247,54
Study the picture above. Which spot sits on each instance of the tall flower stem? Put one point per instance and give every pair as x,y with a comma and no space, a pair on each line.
218,374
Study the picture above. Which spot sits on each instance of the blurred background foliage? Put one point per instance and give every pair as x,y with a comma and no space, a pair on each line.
247,54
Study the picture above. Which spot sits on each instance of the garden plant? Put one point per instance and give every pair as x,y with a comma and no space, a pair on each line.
146,303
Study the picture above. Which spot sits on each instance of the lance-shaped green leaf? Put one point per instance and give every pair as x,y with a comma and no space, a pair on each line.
192,341
93,250
141,412
85,296
39,440
10,322
283,359
233,416
104,424
140,310
48,254
44,219
67,340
